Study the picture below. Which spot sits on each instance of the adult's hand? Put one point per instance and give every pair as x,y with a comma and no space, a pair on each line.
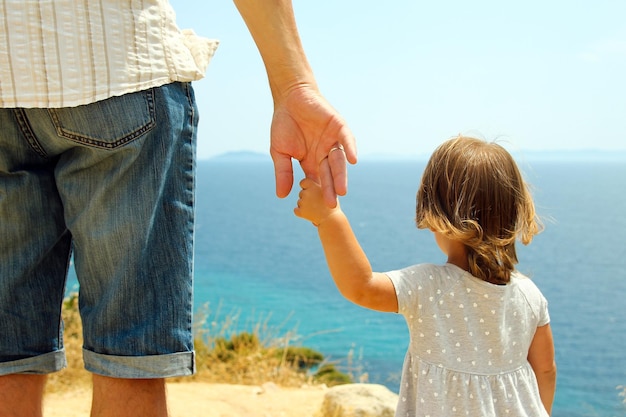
306,127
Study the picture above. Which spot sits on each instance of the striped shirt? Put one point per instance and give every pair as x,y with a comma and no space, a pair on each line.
64,53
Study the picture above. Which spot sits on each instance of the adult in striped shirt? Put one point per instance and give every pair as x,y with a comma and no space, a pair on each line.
97,145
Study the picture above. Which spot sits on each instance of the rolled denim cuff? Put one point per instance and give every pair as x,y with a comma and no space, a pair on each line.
46,363
140,367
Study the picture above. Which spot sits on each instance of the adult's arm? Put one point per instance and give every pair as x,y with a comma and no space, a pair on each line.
304,125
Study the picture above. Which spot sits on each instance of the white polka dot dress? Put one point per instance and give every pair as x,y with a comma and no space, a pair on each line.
469,343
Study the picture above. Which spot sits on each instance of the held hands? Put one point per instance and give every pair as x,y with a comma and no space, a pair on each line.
304,126
312,205
307,128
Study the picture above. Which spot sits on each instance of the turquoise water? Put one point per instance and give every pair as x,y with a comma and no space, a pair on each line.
257,261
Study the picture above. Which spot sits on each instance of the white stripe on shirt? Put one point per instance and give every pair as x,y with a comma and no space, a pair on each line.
62,53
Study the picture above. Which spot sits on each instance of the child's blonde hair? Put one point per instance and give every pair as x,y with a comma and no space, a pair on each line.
473,192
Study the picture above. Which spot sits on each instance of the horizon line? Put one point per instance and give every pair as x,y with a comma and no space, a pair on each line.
547,154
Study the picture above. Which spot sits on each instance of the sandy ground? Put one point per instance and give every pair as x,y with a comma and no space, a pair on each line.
190,399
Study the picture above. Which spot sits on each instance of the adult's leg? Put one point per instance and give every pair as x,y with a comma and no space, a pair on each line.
118,397
34,256
127,192
21,395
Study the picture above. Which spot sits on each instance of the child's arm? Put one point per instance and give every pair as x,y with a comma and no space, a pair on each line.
346,260
541,358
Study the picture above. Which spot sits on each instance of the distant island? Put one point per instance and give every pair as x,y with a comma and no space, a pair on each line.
241,156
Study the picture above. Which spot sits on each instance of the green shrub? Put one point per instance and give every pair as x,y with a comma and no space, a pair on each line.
239,344
329,375
301,357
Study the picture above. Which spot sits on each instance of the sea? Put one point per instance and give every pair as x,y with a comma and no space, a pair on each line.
260,268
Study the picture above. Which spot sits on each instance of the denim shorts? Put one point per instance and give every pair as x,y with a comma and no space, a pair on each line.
112,182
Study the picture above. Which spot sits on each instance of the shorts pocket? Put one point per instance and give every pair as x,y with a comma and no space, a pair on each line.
107,124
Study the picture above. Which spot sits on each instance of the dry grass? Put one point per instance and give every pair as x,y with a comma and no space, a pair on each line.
225,353
257,354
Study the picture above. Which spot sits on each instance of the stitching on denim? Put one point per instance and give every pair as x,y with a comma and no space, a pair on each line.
82,139
191,101
27,131
192,132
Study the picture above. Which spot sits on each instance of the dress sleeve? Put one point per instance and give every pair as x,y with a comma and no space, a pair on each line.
544,315
537,301
397,279
410,287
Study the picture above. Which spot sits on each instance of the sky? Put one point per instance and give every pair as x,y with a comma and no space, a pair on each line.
408,74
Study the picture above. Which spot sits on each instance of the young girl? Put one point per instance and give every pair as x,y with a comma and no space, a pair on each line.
480,339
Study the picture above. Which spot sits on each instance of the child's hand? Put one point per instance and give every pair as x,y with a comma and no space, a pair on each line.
311,205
